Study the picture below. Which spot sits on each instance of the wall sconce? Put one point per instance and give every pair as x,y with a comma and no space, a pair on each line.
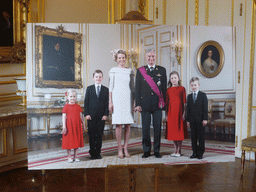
177,48
133,57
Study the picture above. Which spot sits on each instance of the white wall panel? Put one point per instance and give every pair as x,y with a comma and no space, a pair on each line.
225,80
103,38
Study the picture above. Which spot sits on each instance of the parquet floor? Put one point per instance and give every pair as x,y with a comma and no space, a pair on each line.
193,177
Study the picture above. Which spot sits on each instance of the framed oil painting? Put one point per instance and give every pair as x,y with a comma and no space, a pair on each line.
58,58
13,31
210,59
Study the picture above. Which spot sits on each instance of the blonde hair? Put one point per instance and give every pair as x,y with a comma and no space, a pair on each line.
193,79
68,92
120,51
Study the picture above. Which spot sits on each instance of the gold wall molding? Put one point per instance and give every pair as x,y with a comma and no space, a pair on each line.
222,100
143,8
147,10
164,12
116,10
40,11
113,11
12,157
186,12
15,137
7,94
206,12
252,52
196,11
232,13
119,9
12,75
7,82
154,13
13,121
4,143
12,98
109,11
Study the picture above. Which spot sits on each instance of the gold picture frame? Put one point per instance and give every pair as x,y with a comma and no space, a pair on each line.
13,16
210,59
58,58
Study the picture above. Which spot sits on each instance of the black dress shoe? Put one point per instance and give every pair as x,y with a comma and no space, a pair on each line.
157,155
98,157
92,157
193,156
145,155
200,157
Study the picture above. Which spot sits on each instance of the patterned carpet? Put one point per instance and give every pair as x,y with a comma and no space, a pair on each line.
57,158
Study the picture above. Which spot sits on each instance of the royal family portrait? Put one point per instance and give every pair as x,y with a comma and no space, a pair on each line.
105,104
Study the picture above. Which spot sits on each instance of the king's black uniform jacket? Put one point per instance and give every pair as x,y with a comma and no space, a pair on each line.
145,96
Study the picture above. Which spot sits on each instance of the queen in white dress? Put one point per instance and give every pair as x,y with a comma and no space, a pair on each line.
121,91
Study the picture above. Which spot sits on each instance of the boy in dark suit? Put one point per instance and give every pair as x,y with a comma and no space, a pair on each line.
96,112
197,116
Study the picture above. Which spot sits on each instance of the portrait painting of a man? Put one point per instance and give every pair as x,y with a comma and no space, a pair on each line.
58,58
6,23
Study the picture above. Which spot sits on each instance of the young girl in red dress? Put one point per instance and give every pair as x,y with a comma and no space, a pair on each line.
175,110
73,125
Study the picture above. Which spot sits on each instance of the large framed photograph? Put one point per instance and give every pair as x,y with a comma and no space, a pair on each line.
58,58
210,59
13,31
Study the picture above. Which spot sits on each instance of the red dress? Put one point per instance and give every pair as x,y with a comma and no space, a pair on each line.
175,97
74,136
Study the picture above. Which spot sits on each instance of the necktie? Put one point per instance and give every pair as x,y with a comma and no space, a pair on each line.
151,68
194,97
98,91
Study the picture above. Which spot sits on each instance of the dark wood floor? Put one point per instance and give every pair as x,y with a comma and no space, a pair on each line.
196,177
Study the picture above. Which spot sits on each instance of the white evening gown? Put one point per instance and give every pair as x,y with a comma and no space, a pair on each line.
121,84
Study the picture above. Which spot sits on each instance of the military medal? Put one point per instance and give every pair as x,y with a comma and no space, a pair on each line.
159,83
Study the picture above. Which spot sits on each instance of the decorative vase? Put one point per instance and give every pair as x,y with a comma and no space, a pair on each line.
21,83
